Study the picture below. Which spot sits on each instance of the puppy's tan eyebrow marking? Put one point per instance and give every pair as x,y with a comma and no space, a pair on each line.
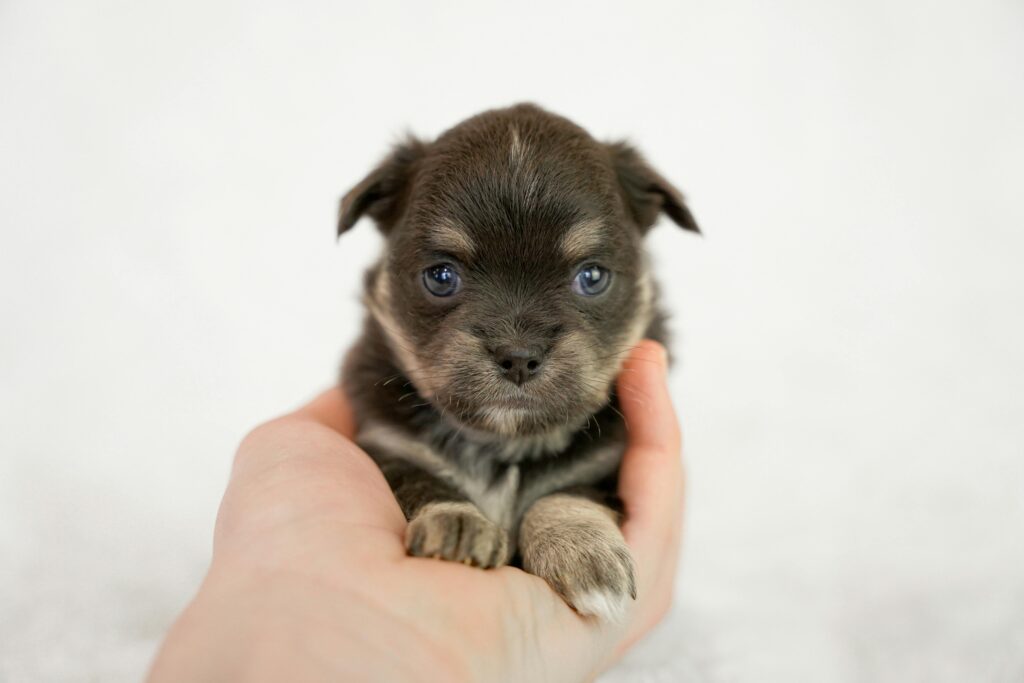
583,239
448,236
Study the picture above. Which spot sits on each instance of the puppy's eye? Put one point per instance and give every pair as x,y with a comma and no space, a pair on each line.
591,280
441,280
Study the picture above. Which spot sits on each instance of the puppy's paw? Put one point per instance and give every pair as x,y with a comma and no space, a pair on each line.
576,546
457,532
594,574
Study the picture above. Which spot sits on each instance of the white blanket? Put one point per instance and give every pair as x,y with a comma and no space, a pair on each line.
850,329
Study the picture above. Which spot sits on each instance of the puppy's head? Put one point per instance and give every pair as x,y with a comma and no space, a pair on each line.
513,281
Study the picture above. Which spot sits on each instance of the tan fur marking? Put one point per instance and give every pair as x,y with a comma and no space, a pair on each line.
576,344
514,448
457,532
642,319
608,371
518,149
379,304
502,420
398,444
598,464
562,509
448,506
495,496
582,239
452,238
576,546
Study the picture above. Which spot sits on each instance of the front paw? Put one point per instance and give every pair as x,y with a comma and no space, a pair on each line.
595,576
457,532
576,546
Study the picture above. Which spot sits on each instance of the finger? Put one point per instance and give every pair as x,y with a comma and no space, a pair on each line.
651,478
295,467
331,408
301,468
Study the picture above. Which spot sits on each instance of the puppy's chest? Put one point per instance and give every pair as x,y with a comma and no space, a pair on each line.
493,487
501,478
503,490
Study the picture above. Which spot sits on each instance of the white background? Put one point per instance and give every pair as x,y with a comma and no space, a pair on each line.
850,332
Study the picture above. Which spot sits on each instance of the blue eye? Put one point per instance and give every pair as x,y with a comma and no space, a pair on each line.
591,280
441,280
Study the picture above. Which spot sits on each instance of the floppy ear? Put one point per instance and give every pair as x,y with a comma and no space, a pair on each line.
646,192
380,194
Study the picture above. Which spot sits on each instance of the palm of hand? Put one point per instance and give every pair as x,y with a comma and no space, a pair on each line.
311,537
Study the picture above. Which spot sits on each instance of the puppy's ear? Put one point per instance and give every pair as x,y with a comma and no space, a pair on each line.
646,192
379,195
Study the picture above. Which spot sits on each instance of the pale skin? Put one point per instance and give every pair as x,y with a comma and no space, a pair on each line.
310,580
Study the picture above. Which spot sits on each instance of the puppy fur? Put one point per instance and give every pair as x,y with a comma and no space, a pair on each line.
491,409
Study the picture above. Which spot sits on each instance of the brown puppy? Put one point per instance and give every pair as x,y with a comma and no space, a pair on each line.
512,285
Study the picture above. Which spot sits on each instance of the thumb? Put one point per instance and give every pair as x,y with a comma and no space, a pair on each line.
651,477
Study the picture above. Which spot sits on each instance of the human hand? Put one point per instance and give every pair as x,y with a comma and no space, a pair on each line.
310,580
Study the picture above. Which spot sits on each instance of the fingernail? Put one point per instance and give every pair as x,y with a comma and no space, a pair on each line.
663,355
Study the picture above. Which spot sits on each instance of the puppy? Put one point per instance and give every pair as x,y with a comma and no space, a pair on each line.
512,286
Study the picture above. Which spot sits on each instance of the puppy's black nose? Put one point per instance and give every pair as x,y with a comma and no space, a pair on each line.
518,364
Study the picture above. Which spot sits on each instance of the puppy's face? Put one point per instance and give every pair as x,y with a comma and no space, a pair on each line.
513,282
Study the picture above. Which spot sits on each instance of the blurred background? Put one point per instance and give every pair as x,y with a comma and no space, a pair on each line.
850,328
